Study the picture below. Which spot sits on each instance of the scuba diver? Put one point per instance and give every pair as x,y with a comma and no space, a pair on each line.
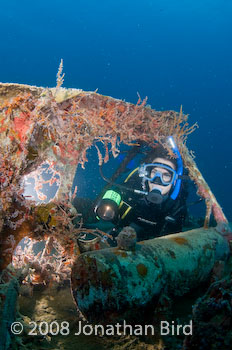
151,199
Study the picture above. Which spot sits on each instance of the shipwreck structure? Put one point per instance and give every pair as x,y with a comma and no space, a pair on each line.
59,125
113,284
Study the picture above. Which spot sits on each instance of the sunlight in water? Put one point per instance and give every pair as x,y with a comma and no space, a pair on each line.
42,184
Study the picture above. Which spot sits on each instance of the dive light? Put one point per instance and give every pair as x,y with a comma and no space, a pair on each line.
107,207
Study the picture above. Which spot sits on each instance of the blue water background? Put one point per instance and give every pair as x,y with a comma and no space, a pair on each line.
176,52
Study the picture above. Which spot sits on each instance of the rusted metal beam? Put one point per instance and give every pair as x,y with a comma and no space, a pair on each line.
113,283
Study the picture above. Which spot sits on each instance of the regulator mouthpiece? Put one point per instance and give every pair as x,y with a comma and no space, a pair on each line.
155,197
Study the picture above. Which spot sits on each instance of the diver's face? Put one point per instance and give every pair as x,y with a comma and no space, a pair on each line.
164,189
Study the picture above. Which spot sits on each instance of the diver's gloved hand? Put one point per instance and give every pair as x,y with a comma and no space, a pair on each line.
226,231
127,238
224,228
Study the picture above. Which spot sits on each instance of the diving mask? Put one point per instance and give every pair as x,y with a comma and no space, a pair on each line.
158,173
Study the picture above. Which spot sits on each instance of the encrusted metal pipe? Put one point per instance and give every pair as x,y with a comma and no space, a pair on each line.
113,283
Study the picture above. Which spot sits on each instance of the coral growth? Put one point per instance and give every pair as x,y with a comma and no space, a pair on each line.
58,126
127,238
212,319
46,265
